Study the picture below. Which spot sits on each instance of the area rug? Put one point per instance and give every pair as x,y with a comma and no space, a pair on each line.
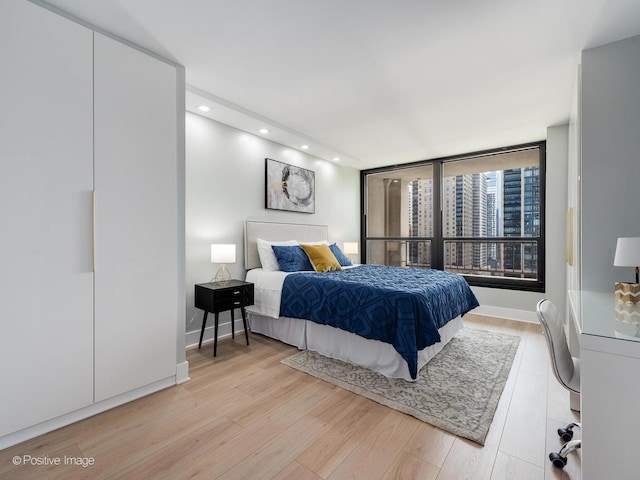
457,391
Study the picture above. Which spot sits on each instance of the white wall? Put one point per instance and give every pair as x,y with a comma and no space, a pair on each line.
225,181
521,305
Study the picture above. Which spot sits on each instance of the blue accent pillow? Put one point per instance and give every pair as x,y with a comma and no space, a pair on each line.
343,260
292,258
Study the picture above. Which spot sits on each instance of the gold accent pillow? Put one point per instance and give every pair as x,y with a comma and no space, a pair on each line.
321,257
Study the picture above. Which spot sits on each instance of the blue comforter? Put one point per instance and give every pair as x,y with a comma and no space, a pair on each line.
401,306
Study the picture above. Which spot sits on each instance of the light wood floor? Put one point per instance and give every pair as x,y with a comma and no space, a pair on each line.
243,415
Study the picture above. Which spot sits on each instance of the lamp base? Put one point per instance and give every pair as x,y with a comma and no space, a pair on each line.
627,292
627,312
223,275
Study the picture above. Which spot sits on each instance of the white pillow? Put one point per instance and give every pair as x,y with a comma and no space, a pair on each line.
267,257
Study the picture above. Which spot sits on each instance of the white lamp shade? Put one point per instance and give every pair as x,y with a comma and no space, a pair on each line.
223,253
351,248
627,252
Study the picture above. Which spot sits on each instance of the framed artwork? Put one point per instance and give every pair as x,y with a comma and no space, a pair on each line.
289,187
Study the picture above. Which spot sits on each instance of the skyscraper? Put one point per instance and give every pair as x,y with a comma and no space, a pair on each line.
420,208
492,219
480,219
521,218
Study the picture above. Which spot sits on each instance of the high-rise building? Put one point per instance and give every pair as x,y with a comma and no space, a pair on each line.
479,221
521,217
492,219
512,219
449,220
420,208
531,216
464,220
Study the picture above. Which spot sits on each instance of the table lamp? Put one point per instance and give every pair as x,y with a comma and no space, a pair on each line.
350,248
223,254
628,255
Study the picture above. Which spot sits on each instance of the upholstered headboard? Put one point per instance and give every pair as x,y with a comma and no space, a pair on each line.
277,232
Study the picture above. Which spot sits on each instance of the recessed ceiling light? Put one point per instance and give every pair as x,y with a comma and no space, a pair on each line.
336,159
264,131
204,108
304,147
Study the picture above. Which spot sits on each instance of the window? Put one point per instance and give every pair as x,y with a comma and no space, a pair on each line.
480,215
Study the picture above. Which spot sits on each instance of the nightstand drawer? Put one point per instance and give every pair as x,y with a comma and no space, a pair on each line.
222,305
234,293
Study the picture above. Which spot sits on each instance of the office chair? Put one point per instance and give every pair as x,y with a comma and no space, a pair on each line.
566,370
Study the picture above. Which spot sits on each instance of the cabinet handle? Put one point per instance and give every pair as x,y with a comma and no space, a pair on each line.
237,292
93,231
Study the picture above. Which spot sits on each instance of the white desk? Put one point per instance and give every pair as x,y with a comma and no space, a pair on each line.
610,387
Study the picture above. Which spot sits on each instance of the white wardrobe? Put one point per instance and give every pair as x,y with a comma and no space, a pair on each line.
91,299
604,173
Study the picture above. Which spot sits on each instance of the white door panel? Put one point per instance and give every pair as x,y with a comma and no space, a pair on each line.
46,179
136,202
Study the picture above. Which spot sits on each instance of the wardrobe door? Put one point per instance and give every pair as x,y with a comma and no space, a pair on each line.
136,218
46,179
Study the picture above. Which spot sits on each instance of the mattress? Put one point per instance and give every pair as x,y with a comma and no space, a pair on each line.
337,341
346,346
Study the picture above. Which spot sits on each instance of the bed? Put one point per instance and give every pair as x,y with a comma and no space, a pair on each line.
308,327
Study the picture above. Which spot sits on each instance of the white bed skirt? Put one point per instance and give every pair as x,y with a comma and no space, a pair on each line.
349,347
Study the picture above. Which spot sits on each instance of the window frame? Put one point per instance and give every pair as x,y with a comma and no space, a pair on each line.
438,241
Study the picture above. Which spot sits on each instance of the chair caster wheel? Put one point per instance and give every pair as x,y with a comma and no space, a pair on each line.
557,460
565,434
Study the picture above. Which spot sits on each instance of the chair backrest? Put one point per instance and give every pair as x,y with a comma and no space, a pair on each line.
553,329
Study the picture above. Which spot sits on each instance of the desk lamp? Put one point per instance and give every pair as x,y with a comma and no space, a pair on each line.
628,255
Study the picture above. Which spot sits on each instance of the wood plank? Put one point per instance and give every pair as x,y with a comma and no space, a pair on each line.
469,461
295,471
277,454
509,468
378,450
430,444
226,454
357,421
174,455
409,467
525,427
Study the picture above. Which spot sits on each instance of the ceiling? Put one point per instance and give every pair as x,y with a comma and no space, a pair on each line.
375,82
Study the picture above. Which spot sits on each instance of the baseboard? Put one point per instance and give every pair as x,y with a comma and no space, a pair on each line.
224,331
77,415
182,373
509,313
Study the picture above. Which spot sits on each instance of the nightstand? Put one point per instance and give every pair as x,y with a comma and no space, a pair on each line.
219,297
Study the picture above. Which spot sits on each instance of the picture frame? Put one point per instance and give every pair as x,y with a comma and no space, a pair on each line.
289,188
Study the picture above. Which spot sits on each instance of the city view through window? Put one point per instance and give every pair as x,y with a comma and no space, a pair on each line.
479,216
